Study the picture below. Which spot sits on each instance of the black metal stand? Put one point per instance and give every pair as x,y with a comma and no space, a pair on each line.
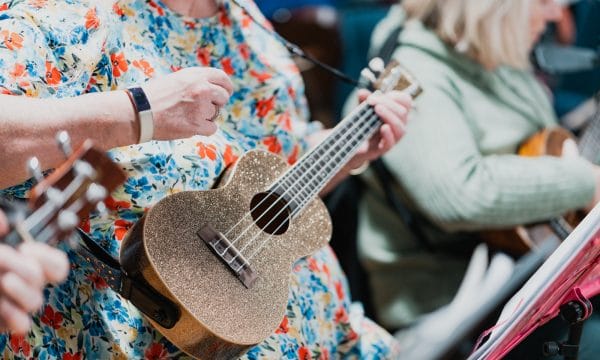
574,312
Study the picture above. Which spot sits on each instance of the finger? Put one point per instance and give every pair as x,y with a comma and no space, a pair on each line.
220,78
21,294
401,97
219,96
397,109
396,125
363,94
388,139
26,267
569,149
54,263
3,224
13,319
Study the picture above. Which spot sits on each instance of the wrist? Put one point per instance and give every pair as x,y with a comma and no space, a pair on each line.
143,113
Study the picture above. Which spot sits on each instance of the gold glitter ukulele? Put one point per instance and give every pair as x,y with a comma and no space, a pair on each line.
224,256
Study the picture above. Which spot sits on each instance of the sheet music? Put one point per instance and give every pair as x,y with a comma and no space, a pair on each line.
570,263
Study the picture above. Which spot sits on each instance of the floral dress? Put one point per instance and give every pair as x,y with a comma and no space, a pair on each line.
66,48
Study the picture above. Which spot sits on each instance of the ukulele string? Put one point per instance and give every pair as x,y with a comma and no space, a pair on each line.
307,200
341,131
393,79
37,224
371,120
50,232
337,132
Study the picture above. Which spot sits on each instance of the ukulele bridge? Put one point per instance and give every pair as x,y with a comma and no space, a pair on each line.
229,255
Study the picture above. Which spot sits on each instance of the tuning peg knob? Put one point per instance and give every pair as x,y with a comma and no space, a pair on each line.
102,209
377,65
83,168
95,193
34,169
64,141
67,220
368,75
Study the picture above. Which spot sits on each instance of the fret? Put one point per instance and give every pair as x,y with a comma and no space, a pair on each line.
312,172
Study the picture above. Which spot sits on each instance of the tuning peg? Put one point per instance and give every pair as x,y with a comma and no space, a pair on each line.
368,75
64,141
67,220
95,193
102,209
377,65
83,168
34,169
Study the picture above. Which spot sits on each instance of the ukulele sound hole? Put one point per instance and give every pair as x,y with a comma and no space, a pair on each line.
270,212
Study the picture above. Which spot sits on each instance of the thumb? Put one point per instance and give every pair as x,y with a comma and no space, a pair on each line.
569,149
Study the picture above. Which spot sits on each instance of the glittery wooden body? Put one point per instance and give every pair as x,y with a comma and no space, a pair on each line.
220,317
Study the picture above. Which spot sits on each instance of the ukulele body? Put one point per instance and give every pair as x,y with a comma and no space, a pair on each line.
220,316
517,241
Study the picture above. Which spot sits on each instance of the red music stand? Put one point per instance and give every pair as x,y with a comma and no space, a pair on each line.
566,280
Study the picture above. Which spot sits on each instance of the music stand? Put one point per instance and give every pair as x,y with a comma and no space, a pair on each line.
557,283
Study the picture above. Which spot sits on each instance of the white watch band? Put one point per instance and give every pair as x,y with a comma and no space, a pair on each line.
144,113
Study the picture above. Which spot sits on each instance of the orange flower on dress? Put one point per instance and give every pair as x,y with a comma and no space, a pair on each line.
91,20
121,228
4,7
262,77
285,121
227,67
53,75
283,327
117,9
228,157
293,156
339,289
119,64
244,50
38,3
156,352
272,144
97,280
304,353
246,21
52,318
224,19
159,9
116,205
144,66
69,356
85,225
341,315
19,345
207,151
18,71
292,92
203,55
11,40
264,106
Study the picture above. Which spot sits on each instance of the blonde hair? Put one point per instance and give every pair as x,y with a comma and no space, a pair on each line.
492,32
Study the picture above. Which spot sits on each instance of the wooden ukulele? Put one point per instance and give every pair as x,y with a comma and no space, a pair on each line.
547,142
224,256
58,202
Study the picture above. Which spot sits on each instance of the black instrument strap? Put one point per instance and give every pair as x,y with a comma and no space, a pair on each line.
133,288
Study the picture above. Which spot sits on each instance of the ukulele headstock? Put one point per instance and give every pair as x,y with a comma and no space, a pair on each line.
392,76
58,202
